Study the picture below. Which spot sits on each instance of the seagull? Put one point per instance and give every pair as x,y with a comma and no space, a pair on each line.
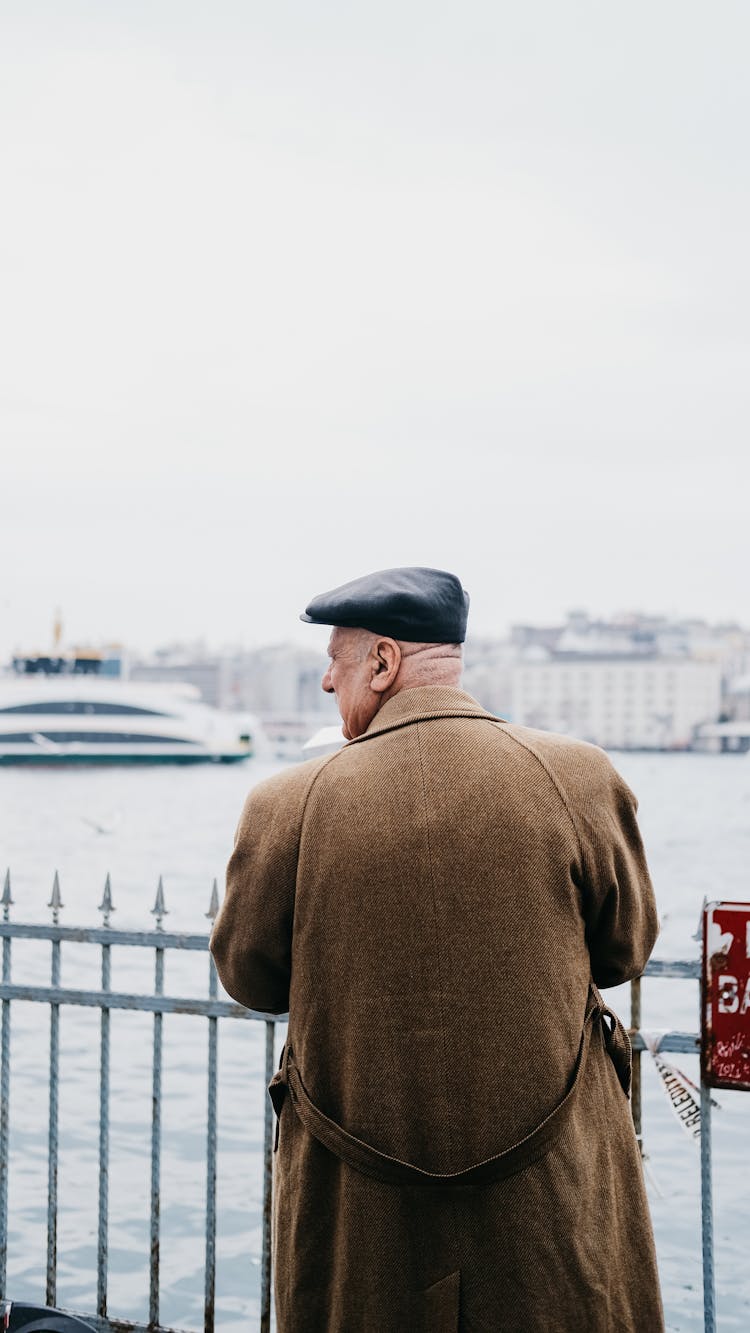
102,828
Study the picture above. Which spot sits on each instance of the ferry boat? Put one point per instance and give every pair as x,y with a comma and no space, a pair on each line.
55,710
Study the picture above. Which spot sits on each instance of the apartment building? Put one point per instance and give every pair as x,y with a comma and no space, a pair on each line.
618,701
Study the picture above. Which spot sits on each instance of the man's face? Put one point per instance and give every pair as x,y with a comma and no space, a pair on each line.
349,673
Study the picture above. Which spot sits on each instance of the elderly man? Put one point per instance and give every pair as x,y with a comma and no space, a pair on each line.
435,905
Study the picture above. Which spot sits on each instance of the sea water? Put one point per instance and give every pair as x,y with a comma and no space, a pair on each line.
138,824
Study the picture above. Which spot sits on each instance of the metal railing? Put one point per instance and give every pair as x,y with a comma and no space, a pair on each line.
212,1009
105,999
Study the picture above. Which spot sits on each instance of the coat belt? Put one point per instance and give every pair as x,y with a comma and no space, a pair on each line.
363,1157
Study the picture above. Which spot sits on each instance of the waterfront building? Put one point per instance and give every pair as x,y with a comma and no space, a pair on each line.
279,679
737,700
209,674
488,673
618,701
727,644
276,679
730,734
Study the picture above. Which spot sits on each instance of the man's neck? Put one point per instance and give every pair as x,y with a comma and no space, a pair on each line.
429,667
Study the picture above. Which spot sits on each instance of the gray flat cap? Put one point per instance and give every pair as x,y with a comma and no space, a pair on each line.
413,604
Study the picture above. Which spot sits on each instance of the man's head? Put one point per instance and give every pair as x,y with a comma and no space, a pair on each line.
365,671
394,630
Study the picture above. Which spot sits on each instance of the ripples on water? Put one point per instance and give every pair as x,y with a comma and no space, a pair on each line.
179,822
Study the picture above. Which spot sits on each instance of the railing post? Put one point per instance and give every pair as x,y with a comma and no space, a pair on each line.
707,1207
159,911
55,903
265,1277
210,1278
707,1215
5,1094
105,908
635,1023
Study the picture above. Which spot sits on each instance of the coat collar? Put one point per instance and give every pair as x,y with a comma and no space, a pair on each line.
422,703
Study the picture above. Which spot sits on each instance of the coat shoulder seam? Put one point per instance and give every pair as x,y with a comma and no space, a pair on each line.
545,764
306,793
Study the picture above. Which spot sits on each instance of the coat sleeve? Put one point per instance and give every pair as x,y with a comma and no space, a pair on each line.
618,900
251,941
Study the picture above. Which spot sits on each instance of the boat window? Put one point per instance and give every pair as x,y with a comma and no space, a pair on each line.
95,737
83,706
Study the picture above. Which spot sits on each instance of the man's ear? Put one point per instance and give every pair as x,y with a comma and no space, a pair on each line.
386,661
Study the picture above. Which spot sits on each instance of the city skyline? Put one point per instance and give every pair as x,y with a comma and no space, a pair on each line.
314,637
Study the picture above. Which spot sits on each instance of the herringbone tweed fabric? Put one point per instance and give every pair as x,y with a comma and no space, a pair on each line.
430,904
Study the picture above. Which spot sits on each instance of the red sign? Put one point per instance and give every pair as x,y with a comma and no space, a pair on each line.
725,1039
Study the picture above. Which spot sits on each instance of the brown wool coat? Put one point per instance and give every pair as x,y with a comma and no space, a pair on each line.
429,904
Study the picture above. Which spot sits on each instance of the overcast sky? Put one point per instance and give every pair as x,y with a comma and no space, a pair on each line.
294,291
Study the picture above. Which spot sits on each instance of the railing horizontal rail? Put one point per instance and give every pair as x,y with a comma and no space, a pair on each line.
145,939
686,1042
667,967
151,1004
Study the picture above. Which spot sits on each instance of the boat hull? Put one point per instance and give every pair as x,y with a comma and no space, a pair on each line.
65,760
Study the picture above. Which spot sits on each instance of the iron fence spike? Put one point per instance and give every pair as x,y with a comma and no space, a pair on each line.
159,908
698,933
105,906
6,899
56,901
213,906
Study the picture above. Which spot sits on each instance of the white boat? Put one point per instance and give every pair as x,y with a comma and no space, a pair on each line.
68,715
327,740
